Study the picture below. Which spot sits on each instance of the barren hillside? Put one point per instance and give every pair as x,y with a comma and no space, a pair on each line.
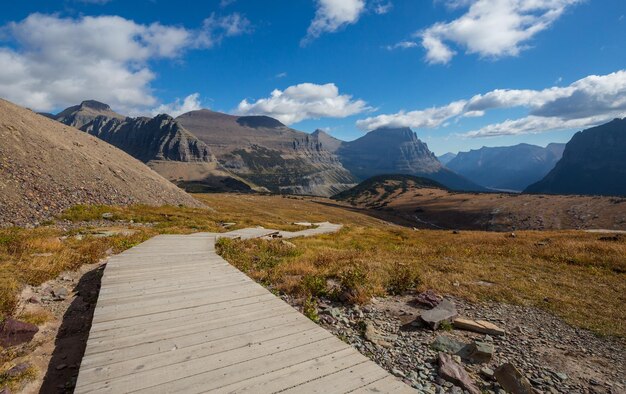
46,167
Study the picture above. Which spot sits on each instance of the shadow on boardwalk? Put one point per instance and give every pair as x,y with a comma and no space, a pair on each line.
72,336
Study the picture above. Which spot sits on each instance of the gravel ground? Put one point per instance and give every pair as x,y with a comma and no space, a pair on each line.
554,356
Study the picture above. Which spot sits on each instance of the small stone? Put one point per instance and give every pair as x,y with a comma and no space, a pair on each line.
5,390
107,216
562,376
17,370
512,380
428,298
398,373
288,244
487,372
61,366
444,312
374,336
60,293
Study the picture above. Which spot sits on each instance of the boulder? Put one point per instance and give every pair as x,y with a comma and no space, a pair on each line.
374,336
5,390
445,311
480,326
512,380
481,352
14,332
455,373
446,344
428,298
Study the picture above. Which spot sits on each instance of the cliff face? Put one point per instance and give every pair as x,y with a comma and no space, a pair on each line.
159,138
509,167
160,142
593,163
397,151
269,154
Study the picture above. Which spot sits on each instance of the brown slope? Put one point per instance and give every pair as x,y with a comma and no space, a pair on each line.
46,167
413,202
267,153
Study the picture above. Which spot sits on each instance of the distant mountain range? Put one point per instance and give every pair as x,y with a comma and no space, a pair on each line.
160,142
211,151
510,168
446,157
593,163
206,150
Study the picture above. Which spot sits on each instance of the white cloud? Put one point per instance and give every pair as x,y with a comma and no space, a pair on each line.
281,75
382,8
190,103
588,101
55,62
215,28
331,15
491,28
426,118
304,101
534,124
402,45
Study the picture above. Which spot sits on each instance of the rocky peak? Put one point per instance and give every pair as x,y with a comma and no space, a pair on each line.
95,105
256,122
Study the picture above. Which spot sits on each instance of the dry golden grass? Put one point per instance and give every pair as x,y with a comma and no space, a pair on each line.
572,274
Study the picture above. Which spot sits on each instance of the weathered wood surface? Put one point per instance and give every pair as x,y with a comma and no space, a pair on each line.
174,317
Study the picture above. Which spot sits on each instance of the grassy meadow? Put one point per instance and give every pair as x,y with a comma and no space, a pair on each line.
573,274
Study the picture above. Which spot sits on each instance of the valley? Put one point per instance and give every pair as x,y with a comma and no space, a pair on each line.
416,202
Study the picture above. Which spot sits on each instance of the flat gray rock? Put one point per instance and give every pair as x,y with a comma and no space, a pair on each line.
445,311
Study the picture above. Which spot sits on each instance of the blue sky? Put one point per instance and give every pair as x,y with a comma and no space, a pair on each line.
346,66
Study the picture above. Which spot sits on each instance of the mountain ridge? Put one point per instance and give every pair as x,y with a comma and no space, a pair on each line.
593,163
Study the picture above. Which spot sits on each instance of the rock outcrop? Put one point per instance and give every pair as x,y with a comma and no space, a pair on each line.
267,153
398,151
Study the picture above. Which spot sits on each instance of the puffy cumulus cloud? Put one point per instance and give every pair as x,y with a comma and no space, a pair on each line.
534,124
427,118
178,107
491,28
304,101
588,101
331,15
54,62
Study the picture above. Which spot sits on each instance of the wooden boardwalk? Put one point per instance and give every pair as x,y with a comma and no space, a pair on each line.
174,317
